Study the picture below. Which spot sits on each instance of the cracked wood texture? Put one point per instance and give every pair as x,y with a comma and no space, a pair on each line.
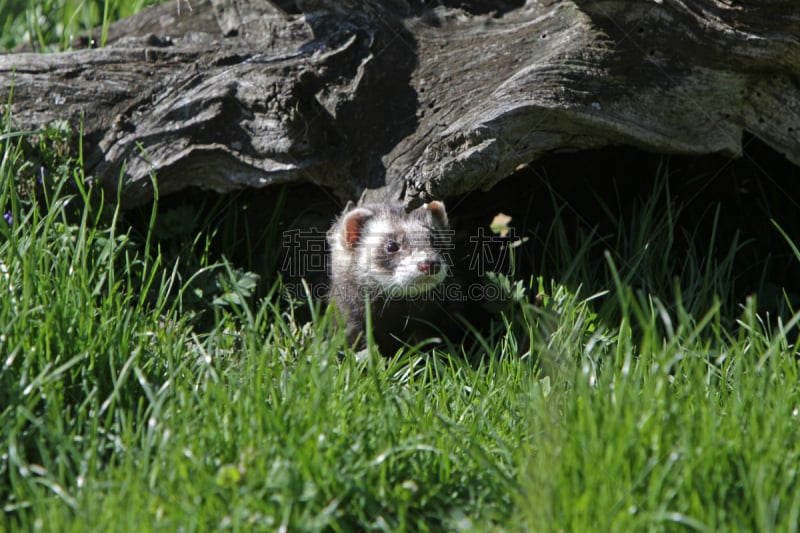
407,100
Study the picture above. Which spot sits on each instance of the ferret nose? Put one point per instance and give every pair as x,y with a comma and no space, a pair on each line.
430,267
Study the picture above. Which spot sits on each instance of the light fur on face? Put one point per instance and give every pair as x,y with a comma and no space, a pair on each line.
388,251
402,277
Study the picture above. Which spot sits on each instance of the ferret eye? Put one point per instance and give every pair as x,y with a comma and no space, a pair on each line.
391,247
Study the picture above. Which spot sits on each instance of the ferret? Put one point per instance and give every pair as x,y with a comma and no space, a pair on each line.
395,262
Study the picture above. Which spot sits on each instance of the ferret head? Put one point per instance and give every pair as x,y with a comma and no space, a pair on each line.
390,251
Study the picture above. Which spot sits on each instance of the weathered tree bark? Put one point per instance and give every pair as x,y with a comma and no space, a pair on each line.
409,101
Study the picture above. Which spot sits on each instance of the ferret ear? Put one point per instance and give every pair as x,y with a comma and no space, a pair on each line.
437,211
353,225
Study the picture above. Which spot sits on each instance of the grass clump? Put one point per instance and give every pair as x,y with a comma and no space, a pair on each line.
55,25
126,406
118,411
694,430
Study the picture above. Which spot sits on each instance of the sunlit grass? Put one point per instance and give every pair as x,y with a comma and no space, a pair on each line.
654,410
53,25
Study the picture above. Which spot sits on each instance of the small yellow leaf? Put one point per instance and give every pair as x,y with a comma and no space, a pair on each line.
499,224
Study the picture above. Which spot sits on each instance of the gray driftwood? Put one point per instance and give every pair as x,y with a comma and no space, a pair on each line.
407,98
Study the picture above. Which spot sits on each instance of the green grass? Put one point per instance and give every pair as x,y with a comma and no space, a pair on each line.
148,383
119,412
53,25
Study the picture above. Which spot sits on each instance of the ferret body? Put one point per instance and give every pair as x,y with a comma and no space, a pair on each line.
395,262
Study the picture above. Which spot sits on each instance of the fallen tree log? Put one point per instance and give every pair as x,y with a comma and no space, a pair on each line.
404,100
